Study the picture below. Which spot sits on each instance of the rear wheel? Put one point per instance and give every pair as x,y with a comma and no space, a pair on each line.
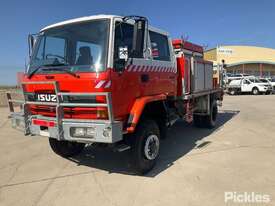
210,120
66,148
145,144
207,121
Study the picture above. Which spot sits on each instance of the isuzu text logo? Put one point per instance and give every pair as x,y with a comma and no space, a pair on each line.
46,97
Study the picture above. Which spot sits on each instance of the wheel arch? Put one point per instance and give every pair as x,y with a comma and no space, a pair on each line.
255,87
146,107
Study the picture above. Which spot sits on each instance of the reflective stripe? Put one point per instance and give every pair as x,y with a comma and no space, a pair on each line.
131,67
108,84
99,84
146,68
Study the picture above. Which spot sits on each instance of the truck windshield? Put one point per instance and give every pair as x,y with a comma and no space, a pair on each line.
79,47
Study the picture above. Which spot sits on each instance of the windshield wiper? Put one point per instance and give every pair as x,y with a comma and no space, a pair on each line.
61,69
36,70
54,68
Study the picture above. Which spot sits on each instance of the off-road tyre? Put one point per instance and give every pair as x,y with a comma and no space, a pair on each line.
146,136
207,121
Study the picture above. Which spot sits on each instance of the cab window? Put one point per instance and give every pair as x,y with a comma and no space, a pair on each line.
93,51
52,47
123,38
159,46
246,82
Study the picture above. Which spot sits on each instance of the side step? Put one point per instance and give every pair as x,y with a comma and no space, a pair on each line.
172,118
122,148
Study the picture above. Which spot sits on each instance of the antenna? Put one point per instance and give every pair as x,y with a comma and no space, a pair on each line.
184,38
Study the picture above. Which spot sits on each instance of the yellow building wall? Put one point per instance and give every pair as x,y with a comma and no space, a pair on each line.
211,55
249,56
238,54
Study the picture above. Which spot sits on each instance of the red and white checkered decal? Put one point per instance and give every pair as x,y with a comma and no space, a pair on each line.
136,68
103,84
143,68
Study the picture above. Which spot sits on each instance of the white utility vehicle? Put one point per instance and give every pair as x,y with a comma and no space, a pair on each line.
270,81
245,85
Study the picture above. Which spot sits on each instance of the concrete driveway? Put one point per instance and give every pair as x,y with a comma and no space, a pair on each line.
196,166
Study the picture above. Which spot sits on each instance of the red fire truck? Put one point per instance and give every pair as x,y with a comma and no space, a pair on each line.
116,81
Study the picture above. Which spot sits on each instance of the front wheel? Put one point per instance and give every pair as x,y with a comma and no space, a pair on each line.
255,91
232,92
145,146
66,148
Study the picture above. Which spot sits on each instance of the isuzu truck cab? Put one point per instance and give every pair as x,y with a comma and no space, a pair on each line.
116,81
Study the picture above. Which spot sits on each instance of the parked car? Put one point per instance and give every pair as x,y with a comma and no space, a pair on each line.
229,77
271,81
268,81
251,85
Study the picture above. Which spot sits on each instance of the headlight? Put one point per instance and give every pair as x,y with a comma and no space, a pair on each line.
79,132
91,131
263,86
88,132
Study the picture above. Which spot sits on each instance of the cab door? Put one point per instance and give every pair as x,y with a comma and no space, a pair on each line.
246,85
163,63
131,81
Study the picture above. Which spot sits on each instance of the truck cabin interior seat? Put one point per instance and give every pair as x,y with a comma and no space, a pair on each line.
85,56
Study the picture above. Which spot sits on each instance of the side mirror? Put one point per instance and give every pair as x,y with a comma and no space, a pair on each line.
31,41
138,38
